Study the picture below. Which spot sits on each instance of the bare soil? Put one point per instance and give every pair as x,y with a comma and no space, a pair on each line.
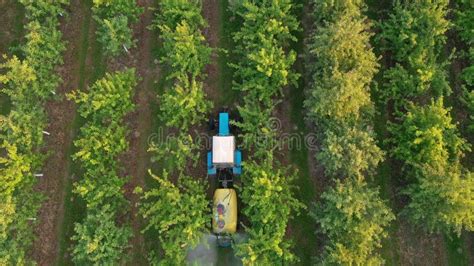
136,161
210,10
419,248
61,113
469,240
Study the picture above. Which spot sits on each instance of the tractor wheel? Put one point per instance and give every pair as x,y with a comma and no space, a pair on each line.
212,123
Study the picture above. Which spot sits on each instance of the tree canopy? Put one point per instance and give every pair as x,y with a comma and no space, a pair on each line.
354,218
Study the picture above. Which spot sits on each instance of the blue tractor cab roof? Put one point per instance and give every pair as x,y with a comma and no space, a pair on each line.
224,124
224,131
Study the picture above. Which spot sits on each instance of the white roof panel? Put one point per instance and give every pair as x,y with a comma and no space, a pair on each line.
223,148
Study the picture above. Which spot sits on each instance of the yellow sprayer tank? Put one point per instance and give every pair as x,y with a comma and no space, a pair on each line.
224,211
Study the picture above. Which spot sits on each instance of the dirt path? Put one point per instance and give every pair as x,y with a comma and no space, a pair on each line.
469,240
61,113
296,153
210,12
136,161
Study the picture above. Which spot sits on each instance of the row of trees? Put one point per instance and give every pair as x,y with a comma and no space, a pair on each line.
29,82
101,238
423,135
262,72
178,208
114,18
351,213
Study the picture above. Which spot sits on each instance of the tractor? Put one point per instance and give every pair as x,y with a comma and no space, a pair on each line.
224,161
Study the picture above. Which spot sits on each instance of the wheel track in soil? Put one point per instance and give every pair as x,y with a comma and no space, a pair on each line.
61,114
210,12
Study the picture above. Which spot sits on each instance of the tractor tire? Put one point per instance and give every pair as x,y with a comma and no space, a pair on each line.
212,124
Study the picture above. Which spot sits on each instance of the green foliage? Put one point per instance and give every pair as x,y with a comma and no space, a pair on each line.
28,83
269,204
185,104
114,18
179,213
331,10
262,41
186,54
344,65
354,218
428,143
41,10
175,152
174,12
100,239
427,135
109,98
20,136
184,49
264,69
259,136
415,31
442,199
351,214
414,35
178,209
43,52
338,101
115,35
424,138
349,152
